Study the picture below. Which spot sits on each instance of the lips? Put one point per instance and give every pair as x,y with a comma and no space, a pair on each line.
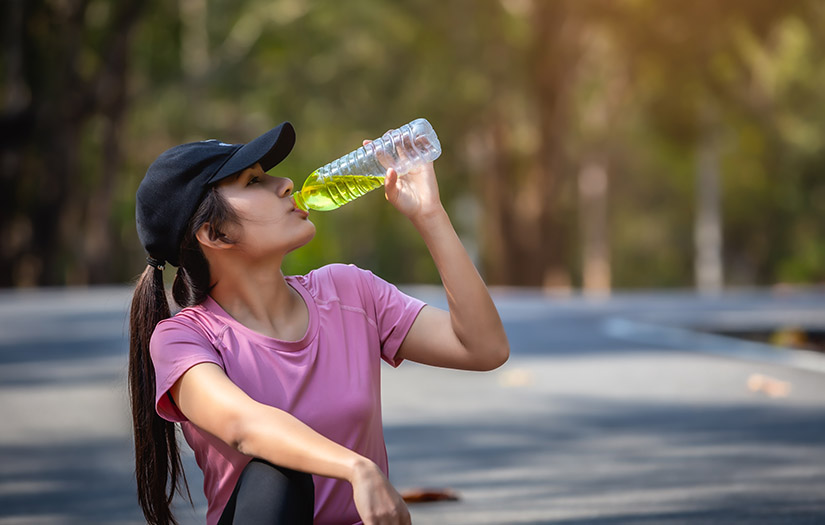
295,208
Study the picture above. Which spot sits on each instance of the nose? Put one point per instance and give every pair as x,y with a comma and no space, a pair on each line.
285,186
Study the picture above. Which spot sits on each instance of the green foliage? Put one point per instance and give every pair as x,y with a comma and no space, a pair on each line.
638,83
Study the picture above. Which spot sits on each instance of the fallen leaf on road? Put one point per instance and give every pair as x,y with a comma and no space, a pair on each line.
768,385
516,377
428,495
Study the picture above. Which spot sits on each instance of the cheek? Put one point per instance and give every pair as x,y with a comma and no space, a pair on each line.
259,231
264,232
256,211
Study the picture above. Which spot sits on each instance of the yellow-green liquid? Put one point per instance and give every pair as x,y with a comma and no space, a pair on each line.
325,194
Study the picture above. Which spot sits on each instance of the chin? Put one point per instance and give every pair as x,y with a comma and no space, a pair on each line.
311,234
304,240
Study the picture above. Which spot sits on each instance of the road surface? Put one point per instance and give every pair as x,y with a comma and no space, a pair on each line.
621,410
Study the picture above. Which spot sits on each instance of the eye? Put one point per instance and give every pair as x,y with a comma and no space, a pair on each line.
254,180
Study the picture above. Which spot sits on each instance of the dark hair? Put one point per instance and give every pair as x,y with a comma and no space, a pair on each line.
158,467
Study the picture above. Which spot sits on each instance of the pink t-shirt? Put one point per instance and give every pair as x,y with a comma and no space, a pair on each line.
330,379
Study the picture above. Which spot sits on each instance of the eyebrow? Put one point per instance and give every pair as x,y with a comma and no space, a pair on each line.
237,176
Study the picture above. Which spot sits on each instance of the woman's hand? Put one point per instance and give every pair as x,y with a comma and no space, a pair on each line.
414,194
377,501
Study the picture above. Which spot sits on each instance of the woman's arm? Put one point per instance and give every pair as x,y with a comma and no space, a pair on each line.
470,336
211,401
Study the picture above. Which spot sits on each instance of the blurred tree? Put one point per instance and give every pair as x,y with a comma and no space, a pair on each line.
692,81
65,99
527,54
775,215
601,100
572,129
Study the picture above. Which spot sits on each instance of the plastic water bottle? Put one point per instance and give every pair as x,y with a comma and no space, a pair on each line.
353,175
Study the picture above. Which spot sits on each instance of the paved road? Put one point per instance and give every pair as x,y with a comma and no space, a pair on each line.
609,411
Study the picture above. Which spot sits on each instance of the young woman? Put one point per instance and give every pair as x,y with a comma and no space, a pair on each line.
275,379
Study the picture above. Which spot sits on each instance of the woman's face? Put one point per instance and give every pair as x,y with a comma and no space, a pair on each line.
269,221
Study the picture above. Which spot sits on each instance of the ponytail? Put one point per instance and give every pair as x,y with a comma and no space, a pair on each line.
157,458
158,468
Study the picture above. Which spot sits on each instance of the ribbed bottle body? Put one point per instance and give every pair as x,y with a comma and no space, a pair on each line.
351,176
331,193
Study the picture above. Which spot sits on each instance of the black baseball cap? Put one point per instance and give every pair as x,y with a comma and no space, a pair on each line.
177,181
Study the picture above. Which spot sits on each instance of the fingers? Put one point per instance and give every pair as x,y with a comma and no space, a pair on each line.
390,184
391,175
388,153
381,156
376,500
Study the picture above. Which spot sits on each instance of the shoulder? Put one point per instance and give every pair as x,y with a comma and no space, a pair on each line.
339,272
193,324
337,281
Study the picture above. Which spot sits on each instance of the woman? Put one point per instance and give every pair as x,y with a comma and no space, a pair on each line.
275,378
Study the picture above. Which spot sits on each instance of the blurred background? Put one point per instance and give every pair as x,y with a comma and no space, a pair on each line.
638,149
587,144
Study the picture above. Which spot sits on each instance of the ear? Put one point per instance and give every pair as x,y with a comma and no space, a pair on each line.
207,238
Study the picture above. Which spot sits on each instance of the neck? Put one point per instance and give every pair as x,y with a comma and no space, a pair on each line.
259,297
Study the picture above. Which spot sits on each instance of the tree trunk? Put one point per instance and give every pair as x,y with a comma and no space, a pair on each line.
554,57
593,183
59,232
708,224
525,242
111,89
64,106
16,123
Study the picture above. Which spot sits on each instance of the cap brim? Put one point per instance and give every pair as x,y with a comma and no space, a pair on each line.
269,149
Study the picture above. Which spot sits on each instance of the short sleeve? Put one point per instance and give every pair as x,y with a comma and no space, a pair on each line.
175,348
395,314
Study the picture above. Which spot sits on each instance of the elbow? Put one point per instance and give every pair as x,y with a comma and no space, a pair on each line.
498,350
502,355
237,434
495,357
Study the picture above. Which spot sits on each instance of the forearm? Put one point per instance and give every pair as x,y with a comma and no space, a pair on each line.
280,438
473,315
